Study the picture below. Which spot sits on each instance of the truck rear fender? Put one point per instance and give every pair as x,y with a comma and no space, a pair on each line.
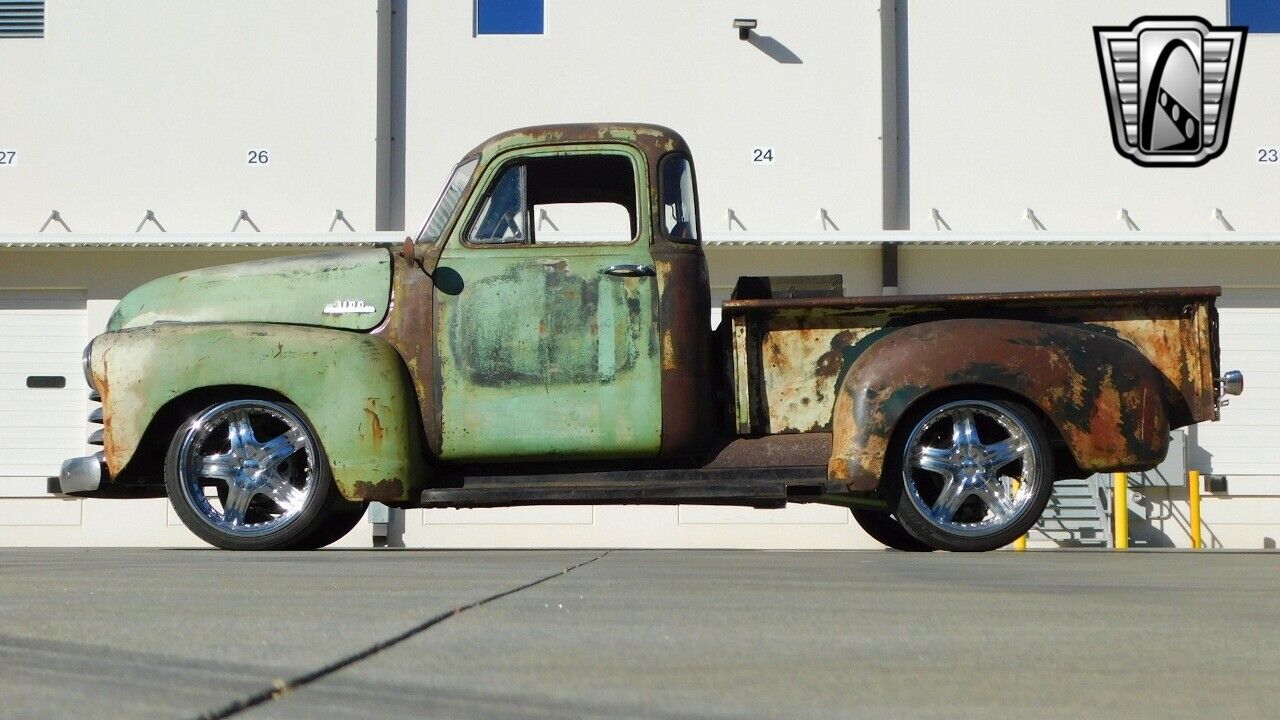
1102,396
352,387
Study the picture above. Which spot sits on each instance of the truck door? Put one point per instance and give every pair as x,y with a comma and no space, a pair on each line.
547,342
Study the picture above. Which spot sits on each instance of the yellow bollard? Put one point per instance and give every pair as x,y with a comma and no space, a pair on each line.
1121,509
1020,544
1193,498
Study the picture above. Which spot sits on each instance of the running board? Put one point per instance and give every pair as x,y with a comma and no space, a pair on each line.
755,487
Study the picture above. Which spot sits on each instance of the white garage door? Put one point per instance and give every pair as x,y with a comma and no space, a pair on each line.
1244,444
42,333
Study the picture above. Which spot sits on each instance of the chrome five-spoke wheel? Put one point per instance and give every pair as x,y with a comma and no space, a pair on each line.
249,474
975,474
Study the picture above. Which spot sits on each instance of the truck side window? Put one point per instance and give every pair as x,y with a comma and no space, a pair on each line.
585,199
679,199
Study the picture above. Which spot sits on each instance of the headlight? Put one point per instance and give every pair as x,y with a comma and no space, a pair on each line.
86,362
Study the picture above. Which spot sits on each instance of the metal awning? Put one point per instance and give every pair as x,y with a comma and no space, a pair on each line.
175,241
997,239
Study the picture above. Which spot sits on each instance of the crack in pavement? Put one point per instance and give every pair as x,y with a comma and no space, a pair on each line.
282,686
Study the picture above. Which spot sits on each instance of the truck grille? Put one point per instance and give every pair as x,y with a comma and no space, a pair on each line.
95,417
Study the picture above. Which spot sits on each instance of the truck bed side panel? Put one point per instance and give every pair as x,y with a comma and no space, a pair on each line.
789,355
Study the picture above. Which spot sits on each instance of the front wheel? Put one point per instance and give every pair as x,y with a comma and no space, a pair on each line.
972,475
269,475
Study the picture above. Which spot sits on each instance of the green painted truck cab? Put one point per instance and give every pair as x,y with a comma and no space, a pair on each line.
495,360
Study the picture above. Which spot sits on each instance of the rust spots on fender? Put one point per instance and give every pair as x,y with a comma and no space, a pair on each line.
388,490
1109,401
376,432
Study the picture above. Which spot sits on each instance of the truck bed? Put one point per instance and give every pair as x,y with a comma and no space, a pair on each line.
786,356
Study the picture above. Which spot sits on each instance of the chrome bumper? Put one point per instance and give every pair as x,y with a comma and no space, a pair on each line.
81,475
85,475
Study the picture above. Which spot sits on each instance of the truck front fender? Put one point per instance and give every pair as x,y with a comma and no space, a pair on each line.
1102,395
352,387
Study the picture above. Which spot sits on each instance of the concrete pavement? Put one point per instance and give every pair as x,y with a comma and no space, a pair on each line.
632,634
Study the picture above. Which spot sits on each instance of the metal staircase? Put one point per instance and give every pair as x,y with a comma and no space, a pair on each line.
1077,514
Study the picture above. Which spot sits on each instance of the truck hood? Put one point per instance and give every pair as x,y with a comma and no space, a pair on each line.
349,290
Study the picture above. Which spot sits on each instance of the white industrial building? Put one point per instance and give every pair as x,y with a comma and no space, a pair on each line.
142,137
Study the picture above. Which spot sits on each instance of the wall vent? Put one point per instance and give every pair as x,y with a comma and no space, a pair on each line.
21,18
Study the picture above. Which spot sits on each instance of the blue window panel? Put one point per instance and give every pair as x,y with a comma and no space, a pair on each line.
509,17
1260,15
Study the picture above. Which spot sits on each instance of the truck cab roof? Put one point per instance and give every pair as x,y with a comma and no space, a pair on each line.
653,140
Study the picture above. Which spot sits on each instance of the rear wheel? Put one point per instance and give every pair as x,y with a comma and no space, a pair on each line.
886,530
269,474
972,475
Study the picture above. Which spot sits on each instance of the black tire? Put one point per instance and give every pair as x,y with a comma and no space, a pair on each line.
886,530
306,518
338,524
977,525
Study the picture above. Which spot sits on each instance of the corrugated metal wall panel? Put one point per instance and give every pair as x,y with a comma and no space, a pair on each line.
1244,442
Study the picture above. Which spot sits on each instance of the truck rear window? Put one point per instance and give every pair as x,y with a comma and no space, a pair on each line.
679,199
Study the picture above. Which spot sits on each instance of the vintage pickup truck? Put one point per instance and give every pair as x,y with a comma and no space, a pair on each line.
490,361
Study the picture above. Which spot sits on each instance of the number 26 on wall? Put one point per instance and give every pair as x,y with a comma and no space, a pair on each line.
259,157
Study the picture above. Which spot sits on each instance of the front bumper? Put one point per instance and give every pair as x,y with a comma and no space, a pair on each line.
82,475
85,475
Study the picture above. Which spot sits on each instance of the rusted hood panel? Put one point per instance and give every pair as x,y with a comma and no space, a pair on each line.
348,290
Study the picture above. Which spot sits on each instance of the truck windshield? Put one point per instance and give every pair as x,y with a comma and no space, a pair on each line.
448,202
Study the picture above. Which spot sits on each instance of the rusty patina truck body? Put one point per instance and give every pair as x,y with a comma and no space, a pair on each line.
487,363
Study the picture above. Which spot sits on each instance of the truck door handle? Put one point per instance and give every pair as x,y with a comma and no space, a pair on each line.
628,270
